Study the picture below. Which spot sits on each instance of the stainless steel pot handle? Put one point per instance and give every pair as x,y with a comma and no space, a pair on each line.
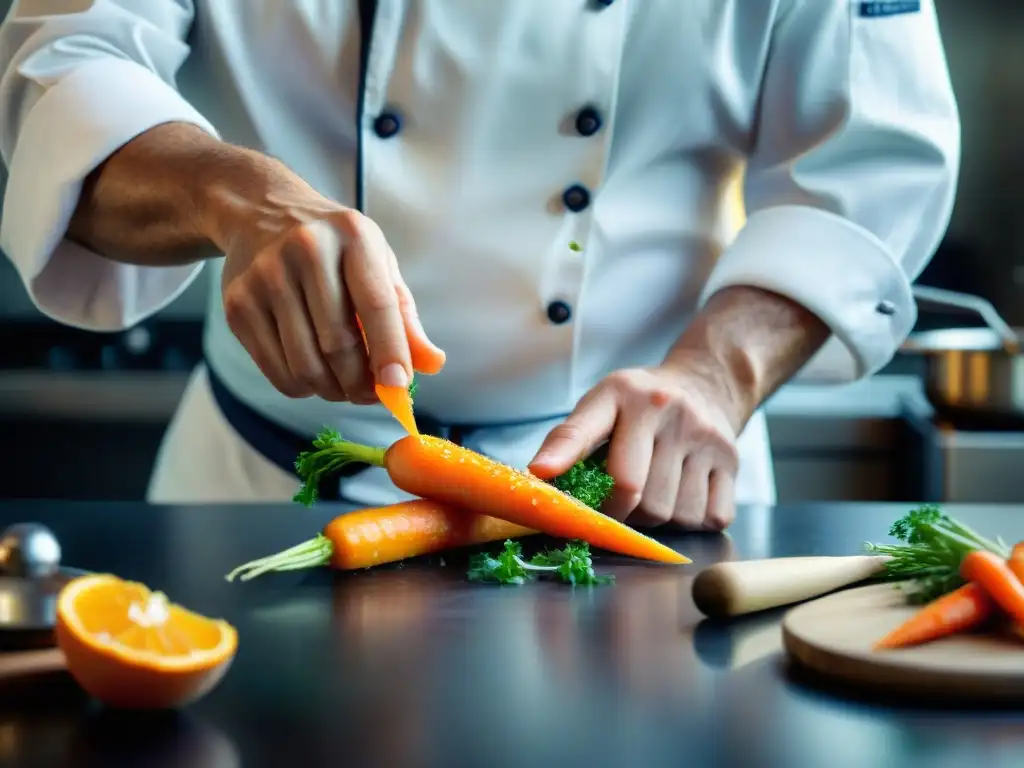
970,303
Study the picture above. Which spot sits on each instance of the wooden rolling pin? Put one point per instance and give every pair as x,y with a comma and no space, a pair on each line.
746,586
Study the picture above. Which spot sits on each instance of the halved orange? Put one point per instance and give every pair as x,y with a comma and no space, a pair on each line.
132,648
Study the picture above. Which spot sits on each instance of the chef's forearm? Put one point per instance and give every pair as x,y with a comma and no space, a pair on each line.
752,341
162,198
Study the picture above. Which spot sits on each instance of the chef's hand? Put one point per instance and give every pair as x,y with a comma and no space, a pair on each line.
672,449
298,269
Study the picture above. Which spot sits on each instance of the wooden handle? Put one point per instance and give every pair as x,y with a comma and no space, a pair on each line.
746,586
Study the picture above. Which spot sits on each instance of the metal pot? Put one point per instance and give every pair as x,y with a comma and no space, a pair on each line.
971,373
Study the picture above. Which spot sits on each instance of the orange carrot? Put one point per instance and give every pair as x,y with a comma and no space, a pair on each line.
1016,565
993,574
388,534
1016,561
957,611
433,468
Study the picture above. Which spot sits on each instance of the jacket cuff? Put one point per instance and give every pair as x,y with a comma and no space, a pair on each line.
73,127
835,269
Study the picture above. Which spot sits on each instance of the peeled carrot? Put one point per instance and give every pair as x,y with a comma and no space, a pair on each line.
433,468
993,574
388,534
964,608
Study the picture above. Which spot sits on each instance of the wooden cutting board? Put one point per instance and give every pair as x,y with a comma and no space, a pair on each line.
833,636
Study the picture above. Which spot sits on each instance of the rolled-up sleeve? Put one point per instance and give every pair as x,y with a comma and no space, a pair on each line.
75,87
851,180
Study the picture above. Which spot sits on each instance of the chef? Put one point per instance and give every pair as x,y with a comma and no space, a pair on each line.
530,204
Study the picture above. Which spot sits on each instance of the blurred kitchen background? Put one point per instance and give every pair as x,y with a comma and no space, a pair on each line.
81,415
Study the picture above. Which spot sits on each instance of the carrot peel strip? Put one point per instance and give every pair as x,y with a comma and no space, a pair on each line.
398,401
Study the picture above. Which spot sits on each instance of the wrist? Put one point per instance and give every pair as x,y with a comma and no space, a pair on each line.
729,374
240,191
748,342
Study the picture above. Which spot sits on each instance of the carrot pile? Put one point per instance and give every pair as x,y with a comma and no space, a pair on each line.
433,468
464,499
388,534
965,580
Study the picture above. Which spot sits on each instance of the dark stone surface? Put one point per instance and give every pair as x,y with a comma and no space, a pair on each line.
413,666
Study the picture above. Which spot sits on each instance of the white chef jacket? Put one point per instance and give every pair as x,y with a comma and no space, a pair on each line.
492,135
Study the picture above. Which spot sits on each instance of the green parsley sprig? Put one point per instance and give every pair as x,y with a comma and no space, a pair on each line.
572,564
588,481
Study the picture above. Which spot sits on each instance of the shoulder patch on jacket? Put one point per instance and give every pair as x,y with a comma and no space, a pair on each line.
877,8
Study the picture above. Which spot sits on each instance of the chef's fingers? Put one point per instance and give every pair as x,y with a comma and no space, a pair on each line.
692,501
352,363
254,326
367,277
313,254
427,357
275,280
629,459
658,502
578,436
721,507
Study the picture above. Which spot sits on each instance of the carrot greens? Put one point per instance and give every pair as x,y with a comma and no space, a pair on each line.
571,564
325,459
931,549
